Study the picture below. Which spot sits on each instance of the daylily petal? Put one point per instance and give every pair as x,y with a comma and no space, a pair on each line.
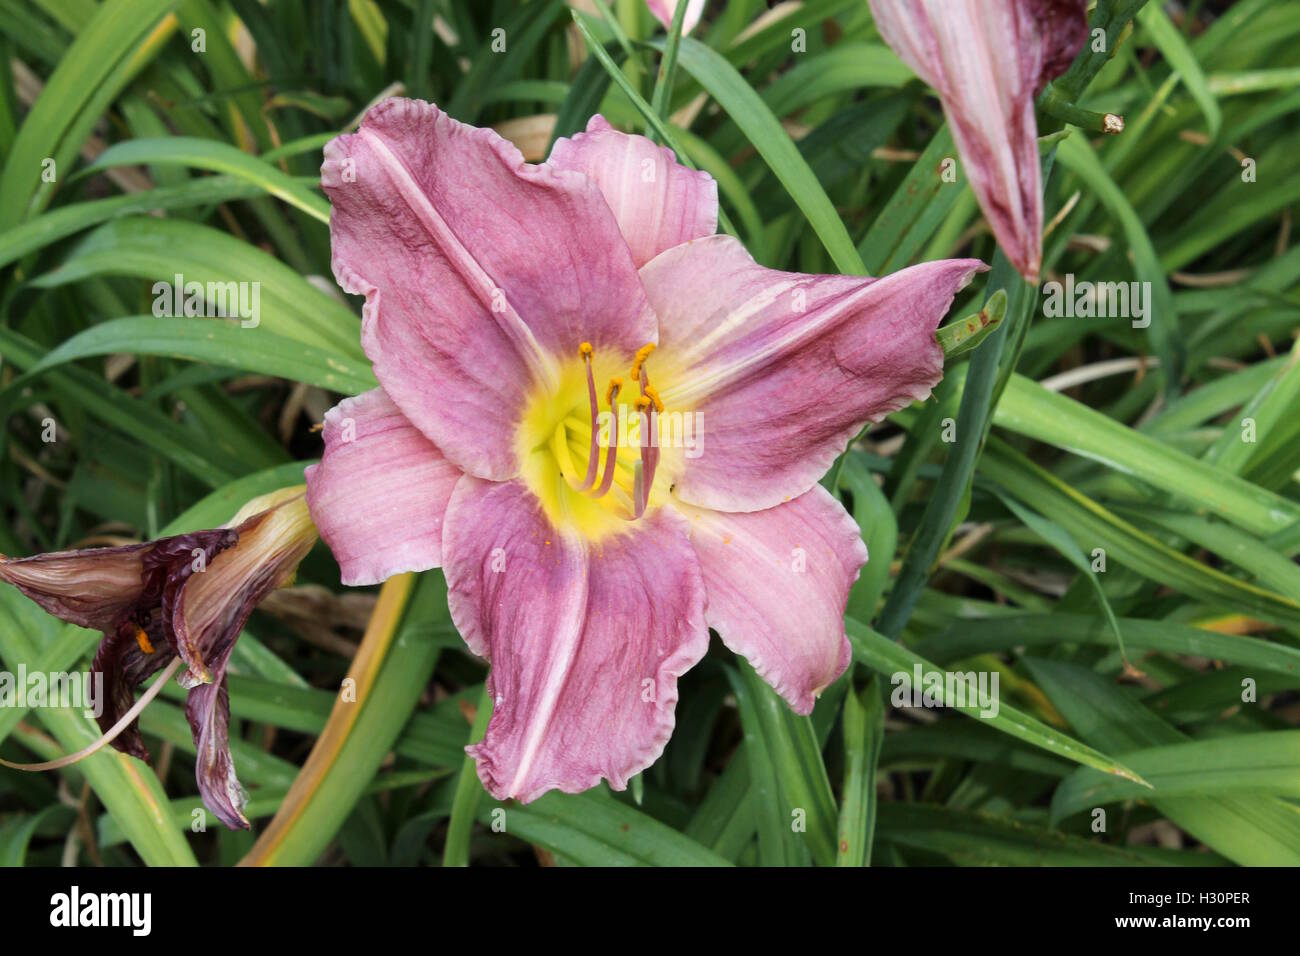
107,588
169,565
125,664
664,10
783,369
380,490
586,641
92,588
777,584
658,202
986,61
210,614
211,609
207,708
1063,26
477,268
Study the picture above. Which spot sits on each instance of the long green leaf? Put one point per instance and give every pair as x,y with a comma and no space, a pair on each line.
216,157
889,658
593,830
1250,830
864,729
764,131
1246,764
217,342
116,30
161,249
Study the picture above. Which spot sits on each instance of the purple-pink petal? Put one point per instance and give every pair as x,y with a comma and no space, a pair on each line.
478,270
380,490
1063,27
586,640
122,659
658,202
92,588
209,615
664,10
782,368
986,59
207,708
777,583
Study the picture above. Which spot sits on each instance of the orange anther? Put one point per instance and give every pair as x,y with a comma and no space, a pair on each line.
642,354
654,397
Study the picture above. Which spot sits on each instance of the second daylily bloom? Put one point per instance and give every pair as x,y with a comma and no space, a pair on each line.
184,596
516,315
664,10
987,59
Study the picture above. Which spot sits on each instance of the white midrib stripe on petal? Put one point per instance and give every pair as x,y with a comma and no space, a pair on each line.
557,675
740,316
818,320
445,239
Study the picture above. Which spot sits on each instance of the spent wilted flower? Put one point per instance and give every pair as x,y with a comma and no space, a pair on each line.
179,600
512,312
987,59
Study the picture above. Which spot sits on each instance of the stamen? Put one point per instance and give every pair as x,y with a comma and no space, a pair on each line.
593,450
142,639
611,456
645,470
642,354
624,468
653,393
648,404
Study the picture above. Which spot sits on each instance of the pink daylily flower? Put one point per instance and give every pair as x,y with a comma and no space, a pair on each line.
664,10
515,314
987,59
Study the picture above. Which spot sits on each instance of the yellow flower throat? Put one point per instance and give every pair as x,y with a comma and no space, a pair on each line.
591,456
